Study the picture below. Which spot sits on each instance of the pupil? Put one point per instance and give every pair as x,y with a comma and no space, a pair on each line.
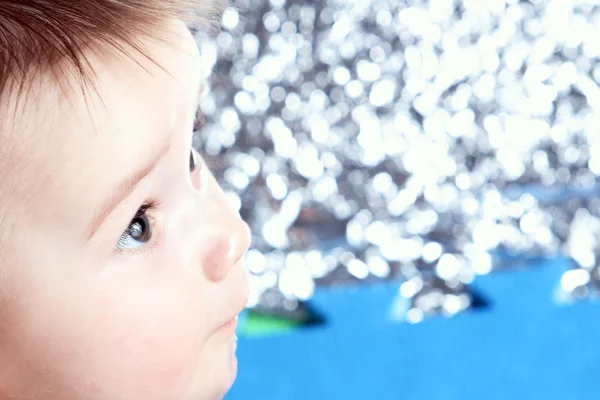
136,229
139,230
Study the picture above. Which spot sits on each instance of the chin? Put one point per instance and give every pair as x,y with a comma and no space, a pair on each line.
231,372
216,373
234,369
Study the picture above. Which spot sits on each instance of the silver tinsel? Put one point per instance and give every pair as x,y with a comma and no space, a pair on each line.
409,140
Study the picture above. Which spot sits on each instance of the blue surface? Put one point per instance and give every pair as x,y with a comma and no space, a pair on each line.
525,345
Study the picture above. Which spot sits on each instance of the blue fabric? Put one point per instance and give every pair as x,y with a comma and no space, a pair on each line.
525,345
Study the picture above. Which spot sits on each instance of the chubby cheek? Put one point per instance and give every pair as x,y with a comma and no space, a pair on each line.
153,336
125,339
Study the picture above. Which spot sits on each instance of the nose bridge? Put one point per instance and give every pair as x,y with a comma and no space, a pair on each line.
221,237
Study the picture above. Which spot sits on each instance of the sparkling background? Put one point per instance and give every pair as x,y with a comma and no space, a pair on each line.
421,141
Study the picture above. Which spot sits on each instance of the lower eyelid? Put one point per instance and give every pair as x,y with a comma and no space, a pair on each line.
144,250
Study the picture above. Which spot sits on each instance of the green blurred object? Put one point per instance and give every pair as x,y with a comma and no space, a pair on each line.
259,324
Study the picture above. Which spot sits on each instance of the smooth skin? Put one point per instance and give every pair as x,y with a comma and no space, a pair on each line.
101,315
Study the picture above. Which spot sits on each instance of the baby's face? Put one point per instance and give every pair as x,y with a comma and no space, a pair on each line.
123,268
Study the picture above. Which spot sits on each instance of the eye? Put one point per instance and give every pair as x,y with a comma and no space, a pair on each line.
138,233
193,161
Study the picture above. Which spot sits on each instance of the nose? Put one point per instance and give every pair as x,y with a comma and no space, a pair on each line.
223,244
221,236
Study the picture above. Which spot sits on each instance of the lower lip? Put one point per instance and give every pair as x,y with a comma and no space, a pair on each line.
229,327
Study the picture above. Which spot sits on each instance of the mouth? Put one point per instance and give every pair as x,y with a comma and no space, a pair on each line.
228,328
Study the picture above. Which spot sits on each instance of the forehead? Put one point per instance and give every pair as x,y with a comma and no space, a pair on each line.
63,146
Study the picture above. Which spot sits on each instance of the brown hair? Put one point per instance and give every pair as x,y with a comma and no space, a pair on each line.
51,36
40,38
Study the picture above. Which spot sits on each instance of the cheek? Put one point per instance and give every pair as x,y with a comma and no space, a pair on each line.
153,334
136,338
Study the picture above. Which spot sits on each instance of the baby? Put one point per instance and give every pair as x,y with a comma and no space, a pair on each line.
121,261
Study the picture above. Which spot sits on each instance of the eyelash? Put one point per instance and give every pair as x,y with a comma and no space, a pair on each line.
198,120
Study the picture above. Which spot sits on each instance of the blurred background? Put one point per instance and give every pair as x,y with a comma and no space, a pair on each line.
421,180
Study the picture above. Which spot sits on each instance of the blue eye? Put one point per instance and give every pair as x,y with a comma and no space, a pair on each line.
138,233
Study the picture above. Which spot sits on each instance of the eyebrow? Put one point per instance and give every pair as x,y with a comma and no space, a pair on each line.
125,188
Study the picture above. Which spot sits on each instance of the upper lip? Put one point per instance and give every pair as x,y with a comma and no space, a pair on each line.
241,304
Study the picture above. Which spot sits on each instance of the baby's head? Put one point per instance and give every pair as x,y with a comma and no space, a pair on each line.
121,261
